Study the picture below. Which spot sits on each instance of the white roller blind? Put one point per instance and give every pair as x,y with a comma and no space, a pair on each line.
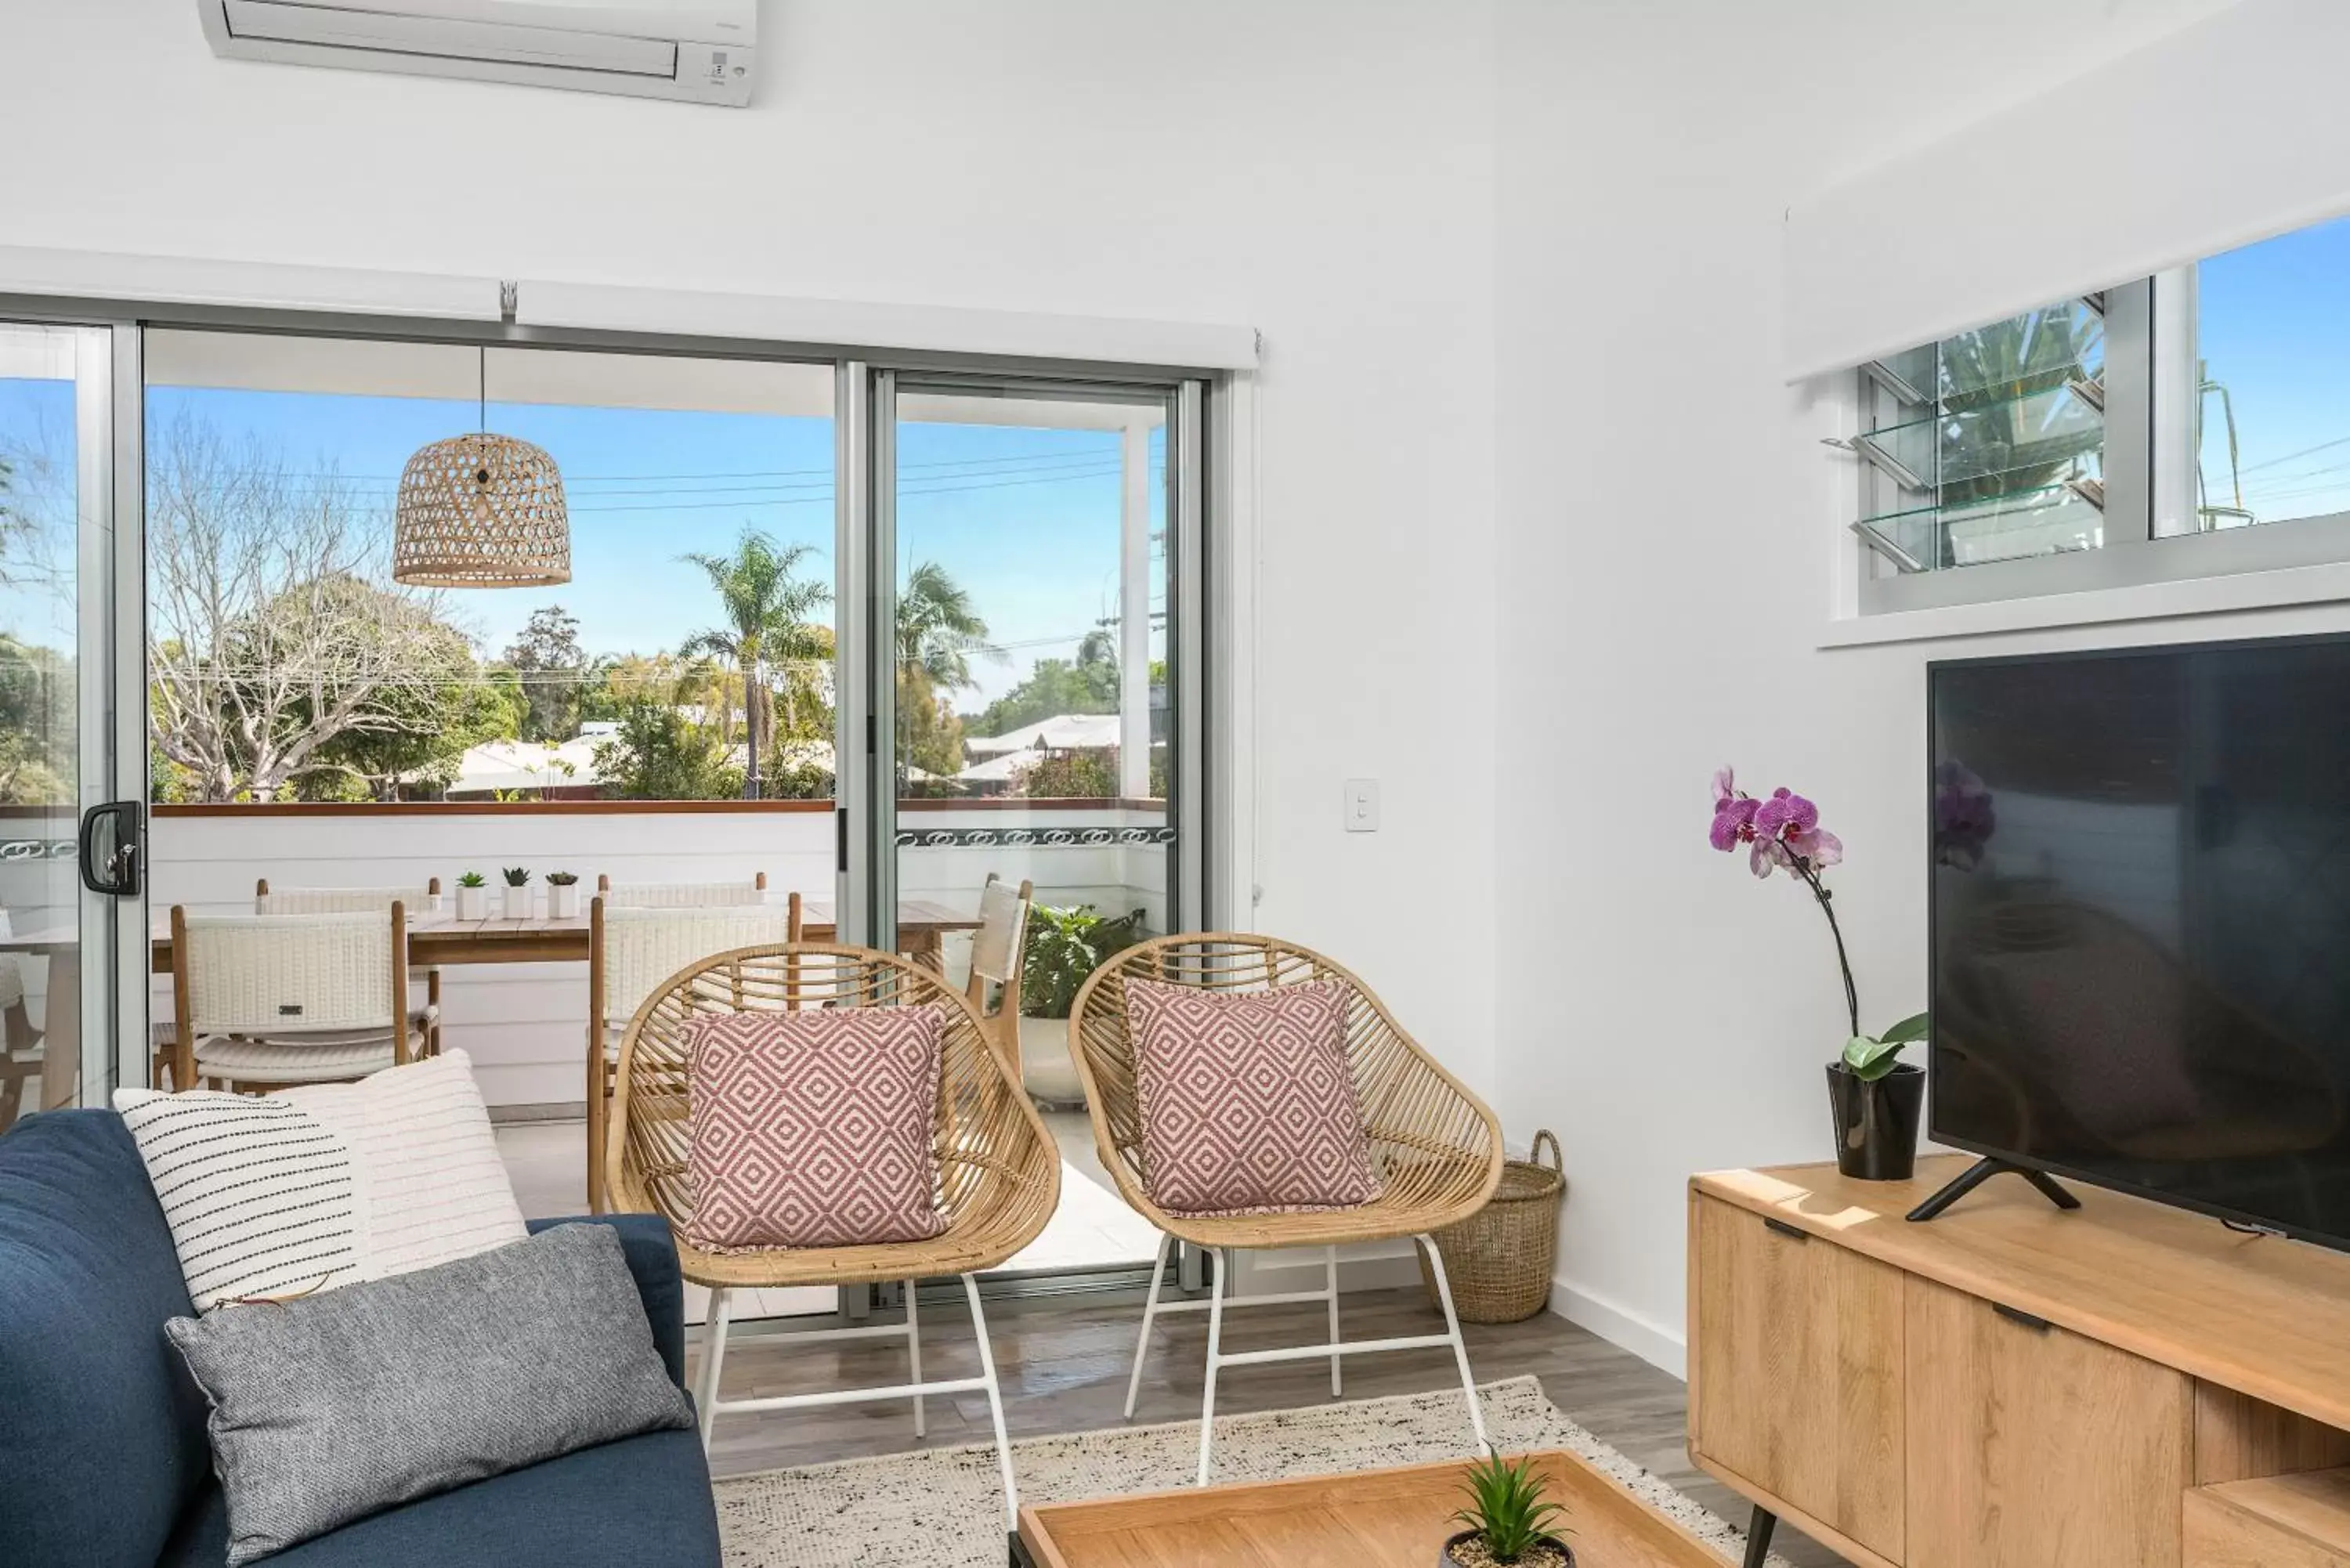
2225,133
270,286
778,318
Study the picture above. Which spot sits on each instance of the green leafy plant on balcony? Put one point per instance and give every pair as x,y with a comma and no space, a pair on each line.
1065,946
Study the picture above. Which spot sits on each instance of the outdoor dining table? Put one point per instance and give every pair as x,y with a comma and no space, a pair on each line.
432,939
437,939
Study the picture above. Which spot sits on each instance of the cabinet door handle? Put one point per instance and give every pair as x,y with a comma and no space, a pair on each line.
2013,1315
1794,1232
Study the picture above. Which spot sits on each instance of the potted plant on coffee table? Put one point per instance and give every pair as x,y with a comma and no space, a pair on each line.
472,896
1873,1097
1508,1518
563,895
517,892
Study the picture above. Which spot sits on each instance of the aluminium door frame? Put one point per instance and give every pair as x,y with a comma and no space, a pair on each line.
1204,888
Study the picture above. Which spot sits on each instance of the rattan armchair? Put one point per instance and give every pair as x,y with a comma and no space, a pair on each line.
999,1170
1436,1147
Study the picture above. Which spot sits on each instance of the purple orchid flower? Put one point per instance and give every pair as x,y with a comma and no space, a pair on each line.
1733,814
1787,829
1963,819
1783,831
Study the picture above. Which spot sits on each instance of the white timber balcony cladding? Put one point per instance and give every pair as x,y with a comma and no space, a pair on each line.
524,1024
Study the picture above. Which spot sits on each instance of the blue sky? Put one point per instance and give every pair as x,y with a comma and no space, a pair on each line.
2275,331
1026,519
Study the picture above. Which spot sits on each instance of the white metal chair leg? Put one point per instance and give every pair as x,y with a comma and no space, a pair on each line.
713,1357
994,1403
914,1347
1330,1282
1223,1260
1149,1311
1459,1347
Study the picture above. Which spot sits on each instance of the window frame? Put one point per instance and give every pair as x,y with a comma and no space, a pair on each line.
2153,561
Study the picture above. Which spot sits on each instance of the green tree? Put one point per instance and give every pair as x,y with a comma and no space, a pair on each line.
37,726
272,636
657,754
1057,686
1087,772
420,730
553,672
938,631
768,607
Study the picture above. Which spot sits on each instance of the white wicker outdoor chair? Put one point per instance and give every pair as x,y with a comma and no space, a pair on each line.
680,895
268,900
21,1058
265,1001
631,952
998,959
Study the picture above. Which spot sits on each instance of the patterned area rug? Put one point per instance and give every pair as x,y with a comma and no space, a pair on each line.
864,1511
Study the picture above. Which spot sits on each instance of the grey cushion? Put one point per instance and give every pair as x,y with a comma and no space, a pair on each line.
331,1408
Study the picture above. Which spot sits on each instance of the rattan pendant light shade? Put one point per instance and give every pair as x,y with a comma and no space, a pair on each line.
481,510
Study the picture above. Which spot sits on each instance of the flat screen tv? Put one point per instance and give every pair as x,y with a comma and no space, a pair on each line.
2141,923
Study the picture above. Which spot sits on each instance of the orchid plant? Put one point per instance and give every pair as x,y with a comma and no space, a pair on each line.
1783,832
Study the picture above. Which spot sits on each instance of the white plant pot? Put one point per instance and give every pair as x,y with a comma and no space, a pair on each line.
472,903
1045,1069
516,902
563,901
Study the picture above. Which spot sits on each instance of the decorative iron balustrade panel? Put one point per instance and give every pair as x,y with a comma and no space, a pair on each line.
1033,837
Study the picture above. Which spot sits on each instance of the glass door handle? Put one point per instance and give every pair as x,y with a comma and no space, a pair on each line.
116,872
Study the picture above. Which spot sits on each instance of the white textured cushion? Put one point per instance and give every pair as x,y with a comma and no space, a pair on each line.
314,1188
242,1060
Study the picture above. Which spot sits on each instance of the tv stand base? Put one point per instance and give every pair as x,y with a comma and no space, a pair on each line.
1982,1171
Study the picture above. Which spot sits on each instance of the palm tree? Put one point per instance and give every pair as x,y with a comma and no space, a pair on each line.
937,628
938,631
768,606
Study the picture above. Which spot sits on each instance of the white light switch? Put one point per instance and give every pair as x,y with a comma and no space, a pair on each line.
1362,805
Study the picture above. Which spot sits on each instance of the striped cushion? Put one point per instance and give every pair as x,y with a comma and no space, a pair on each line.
324,1186
262,1199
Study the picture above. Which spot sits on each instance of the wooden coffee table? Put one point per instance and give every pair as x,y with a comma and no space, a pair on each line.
1376,1518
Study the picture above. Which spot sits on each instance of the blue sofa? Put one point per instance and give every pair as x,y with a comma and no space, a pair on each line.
103,1460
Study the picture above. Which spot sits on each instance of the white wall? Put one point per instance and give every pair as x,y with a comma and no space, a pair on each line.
1662,581
1318,169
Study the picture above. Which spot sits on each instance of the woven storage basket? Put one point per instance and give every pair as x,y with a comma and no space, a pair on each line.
1498,1260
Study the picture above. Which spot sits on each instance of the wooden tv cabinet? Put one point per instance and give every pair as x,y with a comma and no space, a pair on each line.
2013,1385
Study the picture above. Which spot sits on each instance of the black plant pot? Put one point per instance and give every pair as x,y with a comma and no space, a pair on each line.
1876,1121
1446,1560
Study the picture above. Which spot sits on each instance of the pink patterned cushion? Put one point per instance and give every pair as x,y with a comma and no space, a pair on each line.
1247,1103
813,1129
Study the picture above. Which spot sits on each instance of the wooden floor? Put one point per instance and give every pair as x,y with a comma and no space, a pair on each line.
1065,1363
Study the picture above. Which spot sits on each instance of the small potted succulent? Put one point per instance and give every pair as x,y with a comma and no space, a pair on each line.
517,892
563,895
1508,1518
1875,1099
472,896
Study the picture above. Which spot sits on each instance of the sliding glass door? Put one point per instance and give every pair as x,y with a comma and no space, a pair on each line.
63,837
1028,569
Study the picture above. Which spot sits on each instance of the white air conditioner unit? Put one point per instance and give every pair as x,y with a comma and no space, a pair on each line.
701,51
